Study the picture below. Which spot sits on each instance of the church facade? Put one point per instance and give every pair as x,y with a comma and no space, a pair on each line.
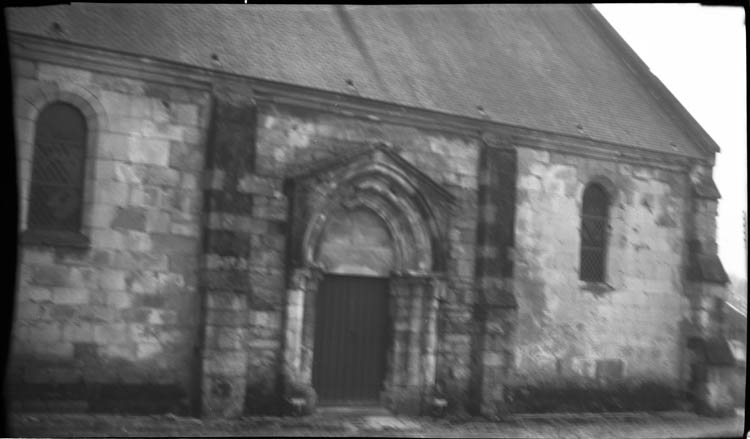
224,210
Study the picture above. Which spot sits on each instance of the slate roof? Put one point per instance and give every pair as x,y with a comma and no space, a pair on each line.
542,67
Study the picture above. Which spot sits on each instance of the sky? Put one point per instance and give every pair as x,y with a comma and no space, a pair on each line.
698,52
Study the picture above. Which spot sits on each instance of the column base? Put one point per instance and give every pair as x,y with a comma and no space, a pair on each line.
414,401
223,396
715,396
300,399
492,404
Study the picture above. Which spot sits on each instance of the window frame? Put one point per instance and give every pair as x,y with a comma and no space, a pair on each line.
601,279
93,116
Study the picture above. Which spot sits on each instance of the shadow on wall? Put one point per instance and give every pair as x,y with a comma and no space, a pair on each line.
133,399
263,399
567,395
738,378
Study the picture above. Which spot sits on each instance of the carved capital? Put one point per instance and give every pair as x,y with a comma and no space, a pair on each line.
306,278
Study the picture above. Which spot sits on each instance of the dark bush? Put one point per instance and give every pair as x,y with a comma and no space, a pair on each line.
590,396
262,399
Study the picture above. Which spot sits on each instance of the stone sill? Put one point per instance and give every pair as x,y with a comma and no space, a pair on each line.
55,238
596,287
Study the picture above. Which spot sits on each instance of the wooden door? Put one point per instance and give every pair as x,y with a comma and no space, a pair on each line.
351,330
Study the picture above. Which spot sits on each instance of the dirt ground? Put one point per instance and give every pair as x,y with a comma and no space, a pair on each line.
634,425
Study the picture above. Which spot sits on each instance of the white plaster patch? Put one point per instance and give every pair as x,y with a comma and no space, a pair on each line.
440,145
530,182
538,169
389,423
117,351
279,155
147,350
553,303
125,172
269,122
354,270
326,131
540,155
149,151
564,172
300,135
554,186
154,317
297,139
583,366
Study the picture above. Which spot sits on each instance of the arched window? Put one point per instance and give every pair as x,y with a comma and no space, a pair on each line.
594,226
57,173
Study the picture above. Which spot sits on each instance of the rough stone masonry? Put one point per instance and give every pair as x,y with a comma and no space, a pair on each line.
216,205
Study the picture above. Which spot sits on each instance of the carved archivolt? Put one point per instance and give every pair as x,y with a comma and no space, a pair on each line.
374,208
384,186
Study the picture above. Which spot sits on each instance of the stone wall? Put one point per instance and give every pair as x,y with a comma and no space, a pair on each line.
291,139
185,280
711,369
495,309
626,330
243,276
95,325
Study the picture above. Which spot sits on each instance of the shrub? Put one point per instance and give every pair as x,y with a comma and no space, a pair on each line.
591,396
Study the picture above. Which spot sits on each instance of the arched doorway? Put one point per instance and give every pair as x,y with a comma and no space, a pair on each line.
352,322
368,236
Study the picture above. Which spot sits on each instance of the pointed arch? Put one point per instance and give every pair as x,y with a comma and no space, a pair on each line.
386,192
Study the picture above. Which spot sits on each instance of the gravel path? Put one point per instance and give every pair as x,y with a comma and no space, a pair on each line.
672,424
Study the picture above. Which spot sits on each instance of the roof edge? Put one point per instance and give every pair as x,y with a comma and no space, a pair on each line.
737,310
64,52
674,109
